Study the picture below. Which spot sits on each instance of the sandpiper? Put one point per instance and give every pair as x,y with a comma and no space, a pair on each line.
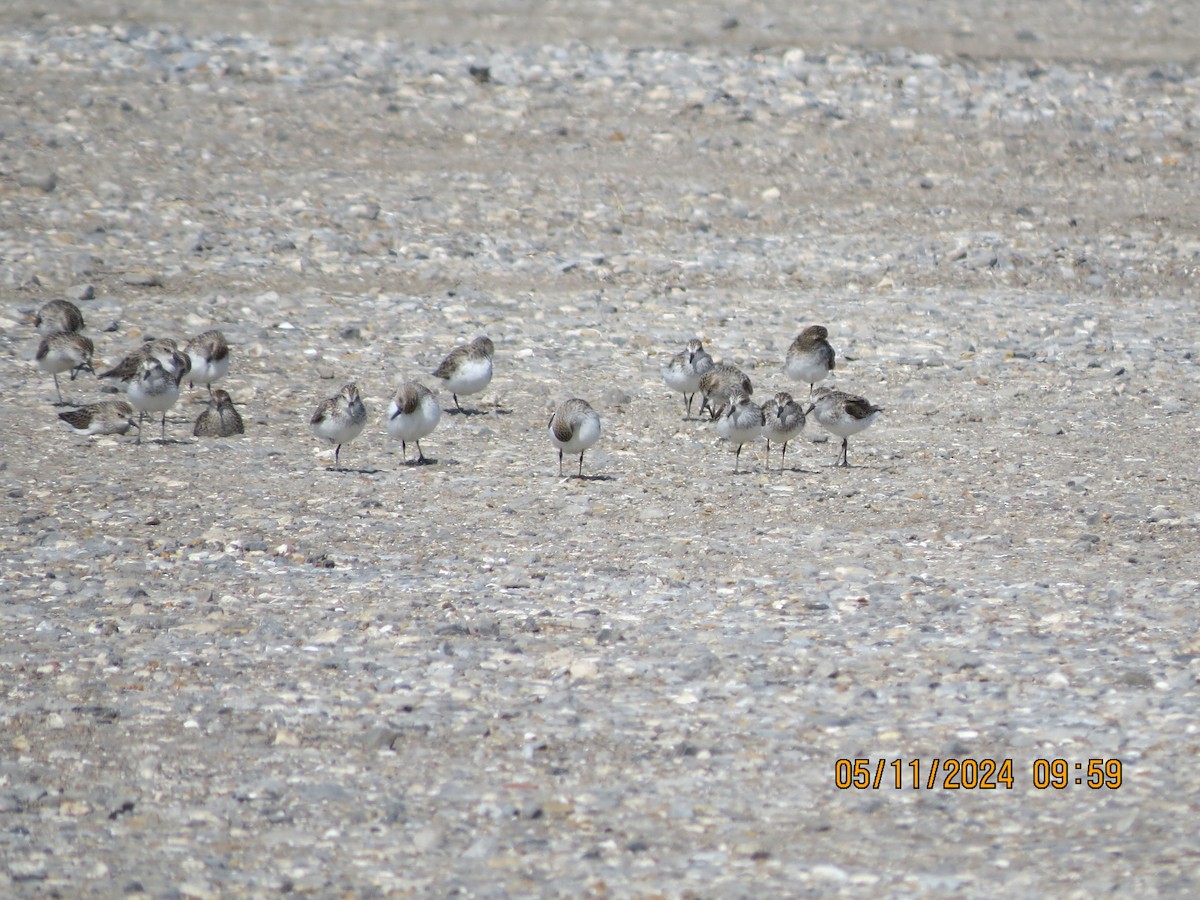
810,358
740,422
340,419
574,428
58,315
165,350
467,369
152,390
208,354
64,351
684,370
220,419
106,417
719,383
413,414
784,419
843,414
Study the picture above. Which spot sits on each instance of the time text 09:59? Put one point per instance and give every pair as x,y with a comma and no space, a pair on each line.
974,774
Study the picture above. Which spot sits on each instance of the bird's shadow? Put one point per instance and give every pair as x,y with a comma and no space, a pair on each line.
569,478
838,467
467,413
352,471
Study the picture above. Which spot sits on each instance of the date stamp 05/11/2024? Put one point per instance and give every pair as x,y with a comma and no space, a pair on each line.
974,774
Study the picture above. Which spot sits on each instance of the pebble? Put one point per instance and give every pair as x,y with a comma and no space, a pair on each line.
20,870
81,292
142,279
425,840
42,181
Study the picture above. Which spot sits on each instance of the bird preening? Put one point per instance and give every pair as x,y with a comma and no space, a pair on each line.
574,428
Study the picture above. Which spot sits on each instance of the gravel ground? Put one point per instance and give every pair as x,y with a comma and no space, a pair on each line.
229,671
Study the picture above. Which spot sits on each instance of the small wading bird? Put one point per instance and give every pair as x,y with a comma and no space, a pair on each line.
106,417
165,350
810,358
340,419
720,383
574,428
740,422
58,315
64,351
220,419
208,354
784,419
413,414
152,390
843,414
467,369
684,371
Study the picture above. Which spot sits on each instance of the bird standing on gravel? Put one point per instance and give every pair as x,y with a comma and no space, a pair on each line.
467,369
58,315
64,351
413,414
783,419
740,422
684,371
340,419
574,428
843,414
208,354
165,350
810,358
152,390
720,383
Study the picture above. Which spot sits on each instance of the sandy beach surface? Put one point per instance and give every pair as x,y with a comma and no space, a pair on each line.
227,670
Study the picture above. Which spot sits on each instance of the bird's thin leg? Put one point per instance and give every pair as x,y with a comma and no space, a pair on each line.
141,418
164,427
736,457
845,453
456,406
420,455
404,451
336,453
689,398
57,389
581,463
560,463
783,456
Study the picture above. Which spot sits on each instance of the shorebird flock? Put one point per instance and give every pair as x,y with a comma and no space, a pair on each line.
152,376
726,390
